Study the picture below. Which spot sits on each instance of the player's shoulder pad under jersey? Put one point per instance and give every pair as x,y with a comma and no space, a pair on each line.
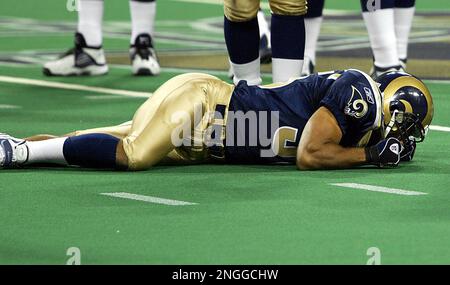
365,95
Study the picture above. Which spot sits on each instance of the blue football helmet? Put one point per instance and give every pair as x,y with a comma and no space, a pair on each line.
408,106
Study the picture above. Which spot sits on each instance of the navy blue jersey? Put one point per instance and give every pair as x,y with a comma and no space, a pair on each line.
265,123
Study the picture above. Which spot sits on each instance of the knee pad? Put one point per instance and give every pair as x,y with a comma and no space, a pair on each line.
288,7
241,10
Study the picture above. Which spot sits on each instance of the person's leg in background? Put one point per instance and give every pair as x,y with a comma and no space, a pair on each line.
265,48
241,33
403,18
288,38
142,53
313,22
87,58
379,19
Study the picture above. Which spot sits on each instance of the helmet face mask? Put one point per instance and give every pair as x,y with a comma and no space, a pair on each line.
408,107
405,127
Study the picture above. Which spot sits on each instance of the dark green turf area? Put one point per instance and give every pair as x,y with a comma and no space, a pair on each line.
244,214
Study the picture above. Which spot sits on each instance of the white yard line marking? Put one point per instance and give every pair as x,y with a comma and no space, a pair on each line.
5,106
148,199
69,86
103,97
378,189
439,128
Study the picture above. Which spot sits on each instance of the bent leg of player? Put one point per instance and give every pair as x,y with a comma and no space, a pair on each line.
170,125
178,123
51,150
403,17
288,38
379,19
241,33
313,22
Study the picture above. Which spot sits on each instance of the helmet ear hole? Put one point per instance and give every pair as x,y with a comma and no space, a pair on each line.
396,105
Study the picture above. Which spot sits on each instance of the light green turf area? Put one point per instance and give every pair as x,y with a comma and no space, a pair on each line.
245,214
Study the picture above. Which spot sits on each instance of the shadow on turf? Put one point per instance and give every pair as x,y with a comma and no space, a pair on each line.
232,168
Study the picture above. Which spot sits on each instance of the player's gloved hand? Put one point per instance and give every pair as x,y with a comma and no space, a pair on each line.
386,153
409,148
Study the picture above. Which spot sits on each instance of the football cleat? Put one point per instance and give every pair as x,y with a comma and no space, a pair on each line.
308,67
377,71
80,60
13,152
143,56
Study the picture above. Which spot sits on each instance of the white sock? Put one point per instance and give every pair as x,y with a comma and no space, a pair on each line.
263,26
403,22
284,69
312,27
251,72
90,19
380,26
47,151
142,18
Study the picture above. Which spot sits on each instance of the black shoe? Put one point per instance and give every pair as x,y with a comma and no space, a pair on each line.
143,56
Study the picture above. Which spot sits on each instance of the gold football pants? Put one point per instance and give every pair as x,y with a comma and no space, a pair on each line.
245,10
148,138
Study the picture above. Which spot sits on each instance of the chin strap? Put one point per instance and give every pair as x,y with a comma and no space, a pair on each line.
392,122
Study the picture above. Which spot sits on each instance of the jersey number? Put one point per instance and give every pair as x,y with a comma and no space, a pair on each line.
283,142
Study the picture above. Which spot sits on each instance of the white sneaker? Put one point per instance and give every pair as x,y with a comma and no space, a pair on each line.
13,152
80,60
143,56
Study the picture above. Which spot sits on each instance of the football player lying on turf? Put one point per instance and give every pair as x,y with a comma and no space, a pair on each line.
328,120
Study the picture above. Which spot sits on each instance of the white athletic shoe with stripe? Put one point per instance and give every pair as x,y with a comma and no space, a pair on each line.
80,60
13,152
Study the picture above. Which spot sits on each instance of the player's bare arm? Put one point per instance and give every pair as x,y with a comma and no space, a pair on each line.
319,145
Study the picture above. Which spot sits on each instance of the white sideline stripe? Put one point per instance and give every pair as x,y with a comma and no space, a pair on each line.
378,189
68,86
439,128
148,199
